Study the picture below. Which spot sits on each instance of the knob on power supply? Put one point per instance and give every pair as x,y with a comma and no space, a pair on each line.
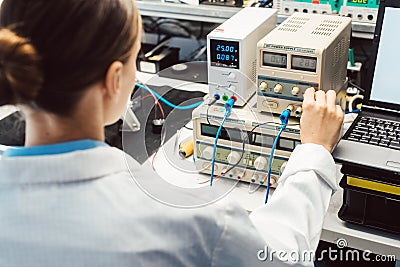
263,86
278,88
295,90
233,157
208,153
231,75
260,163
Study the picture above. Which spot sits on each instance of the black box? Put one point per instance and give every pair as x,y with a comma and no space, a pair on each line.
371,198
160,59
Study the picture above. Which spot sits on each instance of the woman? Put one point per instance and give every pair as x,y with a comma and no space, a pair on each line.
67,199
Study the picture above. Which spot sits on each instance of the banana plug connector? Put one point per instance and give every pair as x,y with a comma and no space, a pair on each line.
186,149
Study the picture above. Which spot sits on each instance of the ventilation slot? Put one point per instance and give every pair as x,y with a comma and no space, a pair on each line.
340,59
293,24
334,80
327,27
253,68
343,59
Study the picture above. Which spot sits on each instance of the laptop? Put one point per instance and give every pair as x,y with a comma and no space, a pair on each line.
373,139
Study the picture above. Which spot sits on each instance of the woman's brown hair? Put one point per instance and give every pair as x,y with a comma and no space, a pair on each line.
50,51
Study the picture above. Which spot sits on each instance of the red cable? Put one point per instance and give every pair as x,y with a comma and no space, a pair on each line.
155,102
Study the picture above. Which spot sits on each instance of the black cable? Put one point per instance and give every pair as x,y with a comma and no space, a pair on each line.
195,54
201,29
208,109
244,141
188,128
241,155
149,26
211,102
356,86
266,4
265,123
175,23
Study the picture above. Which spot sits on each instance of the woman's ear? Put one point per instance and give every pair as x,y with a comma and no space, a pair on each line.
112,82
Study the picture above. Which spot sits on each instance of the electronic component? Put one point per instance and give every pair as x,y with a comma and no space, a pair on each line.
360,10
186,149
288,7
156,125
155,59
231,53
245,141
306,50
228,3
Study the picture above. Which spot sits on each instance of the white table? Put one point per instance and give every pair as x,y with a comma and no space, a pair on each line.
333,228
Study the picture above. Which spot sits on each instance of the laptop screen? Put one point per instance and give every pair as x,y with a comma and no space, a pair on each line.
386,86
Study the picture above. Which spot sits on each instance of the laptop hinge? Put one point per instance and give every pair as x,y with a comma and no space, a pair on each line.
366,107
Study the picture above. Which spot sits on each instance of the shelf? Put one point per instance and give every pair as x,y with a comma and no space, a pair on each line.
218,14
206,13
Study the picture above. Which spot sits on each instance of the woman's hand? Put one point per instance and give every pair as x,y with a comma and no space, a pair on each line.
321,120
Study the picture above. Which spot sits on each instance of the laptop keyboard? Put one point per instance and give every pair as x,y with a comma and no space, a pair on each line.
376,131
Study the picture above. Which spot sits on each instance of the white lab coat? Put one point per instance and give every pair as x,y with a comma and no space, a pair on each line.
84,209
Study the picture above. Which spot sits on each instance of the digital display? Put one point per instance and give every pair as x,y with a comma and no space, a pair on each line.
288,144
266,140
257,139
304,63
226,133
358,2
274,60
224,53
263,140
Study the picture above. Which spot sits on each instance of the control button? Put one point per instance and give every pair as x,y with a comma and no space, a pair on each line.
255,177
208,153
233,157
260,163
234,173
278,88
270,103
240,174
207,166
298,111
295,90
273,180
232,75
290,107
263,86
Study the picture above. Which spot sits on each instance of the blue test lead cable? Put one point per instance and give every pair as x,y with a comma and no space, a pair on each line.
284,117
165,101
228,108
215,147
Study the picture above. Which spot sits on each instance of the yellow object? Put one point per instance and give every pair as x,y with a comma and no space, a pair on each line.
186,149
385,188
